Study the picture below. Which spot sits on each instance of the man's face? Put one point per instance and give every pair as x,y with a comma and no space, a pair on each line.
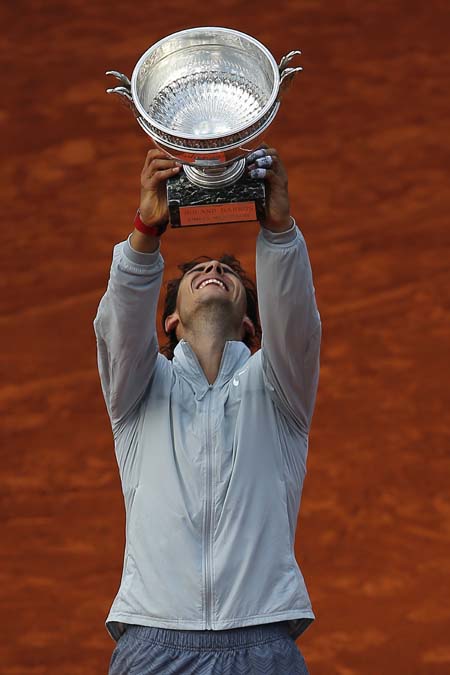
215,285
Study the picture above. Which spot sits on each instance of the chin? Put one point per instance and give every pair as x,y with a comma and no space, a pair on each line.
220,309
216,299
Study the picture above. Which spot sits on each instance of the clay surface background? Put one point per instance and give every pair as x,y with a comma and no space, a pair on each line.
364,134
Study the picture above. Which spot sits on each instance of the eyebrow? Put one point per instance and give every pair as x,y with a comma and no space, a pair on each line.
201,266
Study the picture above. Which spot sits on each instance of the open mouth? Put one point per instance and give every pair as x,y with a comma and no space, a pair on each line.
207,282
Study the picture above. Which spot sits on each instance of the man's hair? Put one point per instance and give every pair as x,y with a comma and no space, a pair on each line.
170,301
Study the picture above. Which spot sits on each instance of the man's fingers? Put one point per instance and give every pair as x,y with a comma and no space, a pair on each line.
164,174
257,173
256,154
265,166
266,174
269,175
262,151
157,165
155,153
263,162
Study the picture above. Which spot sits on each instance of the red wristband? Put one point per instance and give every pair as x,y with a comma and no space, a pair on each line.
153,230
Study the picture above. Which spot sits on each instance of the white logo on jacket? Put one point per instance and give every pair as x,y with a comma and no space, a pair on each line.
235,378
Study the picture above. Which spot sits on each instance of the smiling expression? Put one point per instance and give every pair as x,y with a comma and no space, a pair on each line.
212,276
208,284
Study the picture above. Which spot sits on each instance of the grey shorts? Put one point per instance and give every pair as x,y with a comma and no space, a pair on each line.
250,650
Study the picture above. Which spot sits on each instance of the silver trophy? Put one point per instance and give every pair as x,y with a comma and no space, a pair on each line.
204,96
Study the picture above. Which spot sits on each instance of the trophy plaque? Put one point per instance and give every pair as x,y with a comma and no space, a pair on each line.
204,96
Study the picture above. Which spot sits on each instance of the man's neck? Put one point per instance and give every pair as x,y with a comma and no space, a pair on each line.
208,347
209,354
207,335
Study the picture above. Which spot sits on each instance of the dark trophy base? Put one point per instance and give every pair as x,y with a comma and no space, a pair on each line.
191,205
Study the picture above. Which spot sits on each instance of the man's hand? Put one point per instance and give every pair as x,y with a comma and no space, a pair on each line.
158,167
265,163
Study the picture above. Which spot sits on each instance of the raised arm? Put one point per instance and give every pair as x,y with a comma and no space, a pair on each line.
290,320
125,323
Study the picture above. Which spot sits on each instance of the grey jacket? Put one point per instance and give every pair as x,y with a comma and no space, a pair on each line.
212,475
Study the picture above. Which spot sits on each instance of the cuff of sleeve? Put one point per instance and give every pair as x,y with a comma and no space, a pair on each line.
139,257
285,237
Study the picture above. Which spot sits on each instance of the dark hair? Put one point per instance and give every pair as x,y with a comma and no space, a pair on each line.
170,301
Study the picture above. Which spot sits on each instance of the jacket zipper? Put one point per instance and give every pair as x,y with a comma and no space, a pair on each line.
209,511
208,517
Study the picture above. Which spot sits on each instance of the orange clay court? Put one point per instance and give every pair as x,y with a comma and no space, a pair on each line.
363,133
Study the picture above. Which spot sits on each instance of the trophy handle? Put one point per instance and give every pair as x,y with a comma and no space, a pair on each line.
124,91
120,76
287,74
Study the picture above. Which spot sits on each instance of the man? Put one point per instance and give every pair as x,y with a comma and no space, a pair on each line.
212,444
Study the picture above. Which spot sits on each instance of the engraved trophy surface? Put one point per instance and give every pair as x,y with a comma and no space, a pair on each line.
204,96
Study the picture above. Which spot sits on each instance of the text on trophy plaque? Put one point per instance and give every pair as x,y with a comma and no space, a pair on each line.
218,213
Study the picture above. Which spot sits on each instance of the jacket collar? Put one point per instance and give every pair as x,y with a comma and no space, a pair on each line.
235,354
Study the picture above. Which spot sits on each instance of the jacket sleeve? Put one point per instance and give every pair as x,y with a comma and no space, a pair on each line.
125,329
290,322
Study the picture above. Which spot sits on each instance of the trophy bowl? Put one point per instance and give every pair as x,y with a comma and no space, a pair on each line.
204,95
